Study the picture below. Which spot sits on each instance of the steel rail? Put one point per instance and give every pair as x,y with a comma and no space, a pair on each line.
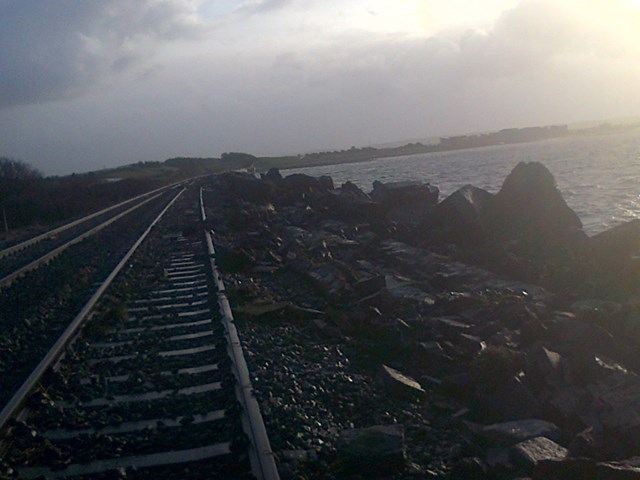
12,408
8,279
31,241
263,464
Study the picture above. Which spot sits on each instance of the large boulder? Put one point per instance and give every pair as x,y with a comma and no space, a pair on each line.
247,187
351,189
403,193
612,265
461,218
405,202
298,187
529,201
537,226
618,242
272,175
351,204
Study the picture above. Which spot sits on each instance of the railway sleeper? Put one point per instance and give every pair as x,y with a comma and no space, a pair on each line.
126,410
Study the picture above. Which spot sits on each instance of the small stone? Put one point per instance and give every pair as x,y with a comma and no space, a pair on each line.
400,384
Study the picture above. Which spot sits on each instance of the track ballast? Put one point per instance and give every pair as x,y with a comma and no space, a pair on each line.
150,386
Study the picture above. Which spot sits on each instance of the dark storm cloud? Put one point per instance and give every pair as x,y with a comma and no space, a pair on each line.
56,49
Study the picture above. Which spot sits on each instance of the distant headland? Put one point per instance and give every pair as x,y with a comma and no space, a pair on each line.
236,160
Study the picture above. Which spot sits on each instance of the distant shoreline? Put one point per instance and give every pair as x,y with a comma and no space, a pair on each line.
177,168
446,144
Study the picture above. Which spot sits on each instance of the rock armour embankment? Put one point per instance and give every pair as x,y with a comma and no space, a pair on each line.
394,335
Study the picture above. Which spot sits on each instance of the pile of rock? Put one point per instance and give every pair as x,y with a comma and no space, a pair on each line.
483,336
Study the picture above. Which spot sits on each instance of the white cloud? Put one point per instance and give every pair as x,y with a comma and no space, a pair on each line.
293,76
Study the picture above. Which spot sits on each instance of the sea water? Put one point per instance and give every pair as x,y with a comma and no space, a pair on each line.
598,175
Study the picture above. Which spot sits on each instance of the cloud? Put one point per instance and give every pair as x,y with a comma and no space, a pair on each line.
295,80
56,49
263,6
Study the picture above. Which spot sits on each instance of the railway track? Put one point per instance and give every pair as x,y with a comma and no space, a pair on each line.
38,303
31,253
149,378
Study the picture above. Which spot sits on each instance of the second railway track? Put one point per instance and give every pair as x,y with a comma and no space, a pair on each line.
30,254
38,304
153,385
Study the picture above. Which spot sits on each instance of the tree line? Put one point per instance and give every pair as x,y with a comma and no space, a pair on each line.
28,198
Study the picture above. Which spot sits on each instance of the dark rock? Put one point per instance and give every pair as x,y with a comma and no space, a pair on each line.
352,205
509,433
249,188
234,260
431,349
263,309
273,175
585,469
583,367
299,182
542,235
326,182
566,404
611,263
328,278
533,331
530,452
400,384
374,451
581,336
471,343
461,218
469,468
428,357
380,300
405,290
498,463
496,366
370,285
326,330
614,246
299,187
462,302
351,189
449,324
459,385
512,400
585,444
403,193
530,202
542,365
406,203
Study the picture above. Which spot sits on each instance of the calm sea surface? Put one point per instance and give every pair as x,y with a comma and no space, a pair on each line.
599,176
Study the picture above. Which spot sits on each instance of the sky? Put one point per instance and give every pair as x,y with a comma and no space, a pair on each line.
92,84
